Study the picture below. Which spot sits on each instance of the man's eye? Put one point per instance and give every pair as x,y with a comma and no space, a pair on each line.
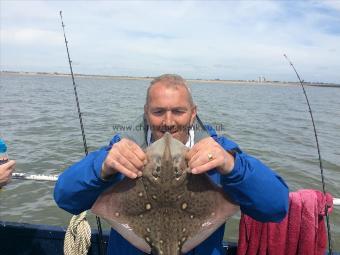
178,112
158,112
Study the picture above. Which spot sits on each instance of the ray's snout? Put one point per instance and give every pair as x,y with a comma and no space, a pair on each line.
167,152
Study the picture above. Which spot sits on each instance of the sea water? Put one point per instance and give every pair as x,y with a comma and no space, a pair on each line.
270,122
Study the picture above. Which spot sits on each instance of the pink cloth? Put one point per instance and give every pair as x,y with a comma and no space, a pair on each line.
302,231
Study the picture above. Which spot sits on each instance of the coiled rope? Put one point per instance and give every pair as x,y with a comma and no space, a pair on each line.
78,236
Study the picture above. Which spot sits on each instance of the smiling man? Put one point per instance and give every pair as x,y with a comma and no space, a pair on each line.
169,107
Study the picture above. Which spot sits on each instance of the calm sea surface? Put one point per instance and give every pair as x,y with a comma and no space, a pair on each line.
39,121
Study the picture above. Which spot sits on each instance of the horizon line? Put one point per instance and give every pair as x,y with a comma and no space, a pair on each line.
152,77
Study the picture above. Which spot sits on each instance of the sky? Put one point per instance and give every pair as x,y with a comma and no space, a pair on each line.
233,40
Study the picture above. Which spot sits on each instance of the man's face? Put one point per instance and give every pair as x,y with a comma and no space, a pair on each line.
169,110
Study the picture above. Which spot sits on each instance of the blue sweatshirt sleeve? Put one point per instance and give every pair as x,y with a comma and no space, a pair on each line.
260,192
79,186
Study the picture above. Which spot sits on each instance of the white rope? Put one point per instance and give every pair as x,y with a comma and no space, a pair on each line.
35,177
40,177
336,201
78,236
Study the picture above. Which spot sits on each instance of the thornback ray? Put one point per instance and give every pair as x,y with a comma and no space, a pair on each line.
168,210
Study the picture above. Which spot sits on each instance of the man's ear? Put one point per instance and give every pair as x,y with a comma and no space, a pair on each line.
193,115
146,112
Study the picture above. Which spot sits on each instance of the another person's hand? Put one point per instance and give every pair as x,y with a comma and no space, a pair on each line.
125,157
207,154
6,171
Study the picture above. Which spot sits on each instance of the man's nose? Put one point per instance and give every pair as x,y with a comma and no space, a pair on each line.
168,119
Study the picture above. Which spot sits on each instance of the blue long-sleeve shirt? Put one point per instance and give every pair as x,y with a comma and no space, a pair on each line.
259,191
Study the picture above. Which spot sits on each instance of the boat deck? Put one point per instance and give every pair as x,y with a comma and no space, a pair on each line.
29,239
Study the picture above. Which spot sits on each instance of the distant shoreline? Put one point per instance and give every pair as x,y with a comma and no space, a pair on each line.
240,82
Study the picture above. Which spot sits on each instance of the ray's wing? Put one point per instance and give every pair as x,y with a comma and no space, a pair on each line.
211,209
119,205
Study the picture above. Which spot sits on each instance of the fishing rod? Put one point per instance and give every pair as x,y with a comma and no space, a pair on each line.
54,178
319,153
100,232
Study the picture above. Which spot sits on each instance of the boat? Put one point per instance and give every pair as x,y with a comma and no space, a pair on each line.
32,239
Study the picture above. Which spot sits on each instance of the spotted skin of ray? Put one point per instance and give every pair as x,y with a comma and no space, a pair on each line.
167,211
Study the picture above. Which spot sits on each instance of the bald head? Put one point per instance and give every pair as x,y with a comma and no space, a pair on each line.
169,107
172,81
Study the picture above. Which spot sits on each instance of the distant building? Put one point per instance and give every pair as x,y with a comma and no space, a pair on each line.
261,79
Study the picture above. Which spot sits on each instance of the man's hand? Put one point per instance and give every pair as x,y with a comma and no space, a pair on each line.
125,157
6,171
208,154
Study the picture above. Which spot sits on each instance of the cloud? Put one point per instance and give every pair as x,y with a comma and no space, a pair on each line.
200,39
30,36
332,4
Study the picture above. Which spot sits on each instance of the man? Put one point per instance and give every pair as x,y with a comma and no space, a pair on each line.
169,108
6,171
